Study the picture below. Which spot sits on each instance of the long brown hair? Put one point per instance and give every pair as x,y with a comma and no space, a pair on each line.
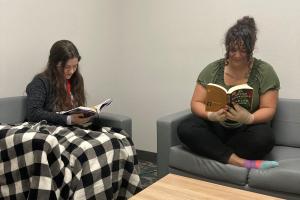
60,52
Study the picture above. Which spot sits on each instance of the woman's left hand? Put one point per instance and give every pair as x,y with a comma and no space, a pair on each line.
239,114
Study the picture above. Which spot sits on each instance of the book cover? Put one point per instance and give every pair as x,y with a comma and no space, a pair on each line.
88,111
218,97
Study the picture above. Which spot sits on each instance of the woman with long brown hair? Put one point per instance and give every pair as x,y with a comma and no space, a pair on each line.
69,162
59,87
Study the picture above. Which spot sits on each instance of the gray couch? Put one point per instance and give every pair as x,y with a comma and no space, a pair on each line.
12,110
282,181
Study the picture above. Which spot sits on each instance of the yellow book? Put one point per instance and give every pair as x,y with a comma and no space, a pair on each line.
218,97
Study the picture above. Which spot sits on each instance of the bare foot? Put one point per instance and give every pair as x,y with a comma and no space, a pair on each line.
236,160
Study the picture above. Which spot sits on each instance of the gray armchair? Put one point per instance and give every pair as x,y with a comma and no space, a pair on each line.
12,110
282,181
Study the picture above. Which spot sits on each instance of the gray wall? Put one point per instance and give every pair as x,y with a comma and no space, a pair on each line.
144,54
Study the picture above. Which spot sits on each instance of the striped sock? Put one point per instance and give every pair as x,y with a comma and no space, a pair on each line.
260,164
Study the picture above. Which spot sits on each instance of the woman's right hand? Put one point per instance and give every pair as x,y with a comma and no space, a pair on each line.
218,116
79,119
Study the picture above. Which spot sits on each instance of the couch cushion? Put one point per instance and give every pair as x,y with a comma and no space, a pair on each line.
282,153
12,109
286,123
183,159
284,178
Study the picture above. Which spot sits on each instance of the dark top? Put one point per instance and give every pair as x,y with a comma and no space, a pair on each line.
40,102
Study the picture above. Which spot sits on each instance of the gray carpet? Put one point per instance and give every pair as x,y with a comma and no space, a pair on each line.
148,173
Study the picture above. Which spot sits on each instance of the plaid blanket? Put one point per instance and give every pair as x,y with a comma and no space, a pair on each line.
40,161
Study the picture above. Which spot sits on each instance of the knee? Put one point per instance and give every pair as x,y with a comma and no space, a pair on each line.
190,130
182,131
187,131
260,141
265,138
261,145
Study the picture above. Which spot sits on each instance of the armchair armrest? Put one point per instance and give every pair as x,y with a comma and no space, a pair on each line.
12,109
117,121
167,137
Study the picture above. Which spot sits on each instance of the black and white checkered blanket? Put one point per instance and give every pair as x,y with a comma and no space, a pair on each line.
39,161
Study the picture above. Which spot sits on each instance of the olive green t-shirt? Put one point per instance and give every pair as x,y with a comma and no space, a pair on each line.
262,78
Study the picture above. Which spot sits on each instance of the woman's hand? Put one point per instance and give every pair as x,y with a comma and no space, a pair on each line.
79,119
239,114
218,116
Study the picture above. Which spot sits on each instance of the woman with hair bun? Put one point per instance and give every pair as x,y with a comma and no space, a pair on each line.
234,135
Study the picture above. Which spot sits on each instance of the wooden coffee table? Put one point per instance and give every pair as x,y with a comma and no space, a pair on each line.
173,187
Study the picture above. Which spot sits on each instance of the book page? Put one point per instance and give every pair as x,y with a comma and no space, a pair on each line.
87,111
102,105
216,98
81,109
243,97
238,87
219,86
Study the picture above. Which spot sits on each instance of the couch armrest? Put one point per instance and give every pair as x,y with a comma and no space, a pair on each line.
117,121
167,137
12,109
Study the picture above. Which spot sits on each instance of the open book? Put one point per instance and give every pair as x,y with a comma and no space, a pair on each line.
88,111
218,97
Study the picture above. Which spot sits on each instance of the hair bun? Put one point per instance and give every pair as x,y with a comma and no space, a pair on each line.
247,21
